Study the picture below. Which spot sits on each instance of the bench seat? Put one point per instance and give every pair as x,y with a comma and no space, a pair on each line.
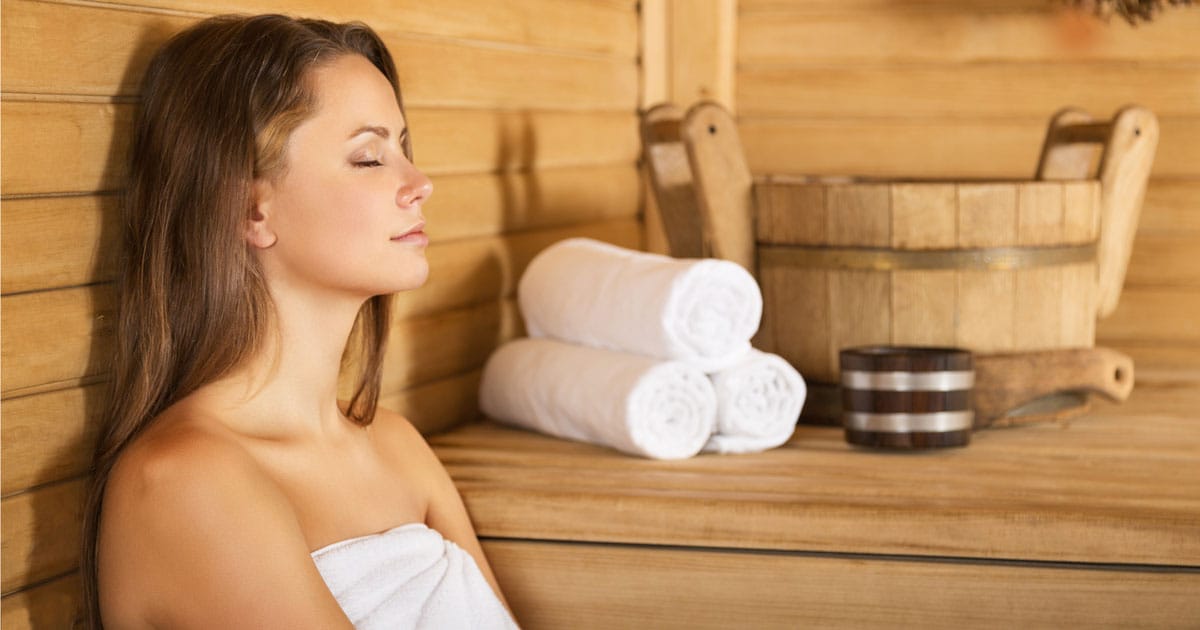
1093,523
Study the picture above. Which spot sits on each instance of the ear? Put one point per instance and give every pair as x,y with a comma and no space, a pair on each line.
258,225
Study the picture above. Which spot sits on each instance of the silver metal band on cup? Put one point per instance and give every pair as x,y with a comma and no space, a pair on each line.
938,422
909,381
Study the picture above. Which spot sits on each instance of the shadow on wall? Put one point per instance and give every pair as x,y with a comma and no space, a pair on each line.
58,515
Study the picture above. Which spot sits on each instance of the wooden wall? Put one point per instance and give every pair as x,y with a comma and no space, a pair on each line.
523,112
947,88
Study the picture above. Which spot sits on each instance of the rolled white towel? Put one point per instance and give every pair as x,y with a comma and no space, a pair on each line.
758,403
702,311
635,404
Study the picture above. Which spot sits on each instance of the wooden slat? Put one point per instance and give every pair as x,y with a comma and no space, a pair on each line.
80,49
432,72
595,26
48,437
551,585
1170,206
427,349
700,40
941,148
53,242
443,74
60,147
1165,260
1153,314
55,339
41,533
1172,364
980,89
55,604
481,205
63,147
956,32
438,406
43,236
825,6
1102,491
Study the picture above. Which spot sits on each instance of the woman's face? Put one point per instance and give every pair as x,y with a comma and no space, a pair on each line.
345,214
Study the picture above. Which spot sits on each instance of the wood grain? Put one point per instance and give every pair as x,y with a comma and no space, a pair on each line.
593,26
1166,315
55,339
939,147
796,35
48,437
53,147
974,90
54,242
438,406
553,585
55,604
1095,492
433,72
41,533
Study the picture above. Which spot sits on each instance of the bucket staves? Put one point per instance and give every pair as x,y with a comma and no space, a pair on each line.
907,397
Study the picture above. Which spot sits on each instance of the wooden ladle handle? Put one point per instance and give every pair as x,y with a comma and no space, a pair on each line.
1006,381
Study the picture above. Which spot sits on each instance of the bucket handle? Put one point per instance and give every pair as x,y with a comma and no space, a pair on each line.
1129,141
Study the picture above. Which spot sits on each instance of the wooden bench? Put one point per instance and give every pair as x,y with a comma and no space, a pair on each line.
1091,524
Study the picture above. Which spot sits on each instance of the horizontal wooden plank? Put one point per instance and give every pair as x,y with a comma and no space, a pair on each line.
1101,491
53,242
432,72
1170,364
966,91
824,6
57,147
427,349
1163,260
554,585
438,406
955,32
594,26
52,147
939,148
55,604
41,533
1170,207
483,205
54,339
48,437
1153,314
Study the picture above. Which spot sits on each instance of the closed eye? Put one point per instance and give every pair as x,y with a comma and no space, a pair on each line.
368,164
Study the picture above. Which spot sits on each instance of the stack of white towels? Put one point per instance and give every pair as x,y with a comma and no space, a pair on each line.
644,353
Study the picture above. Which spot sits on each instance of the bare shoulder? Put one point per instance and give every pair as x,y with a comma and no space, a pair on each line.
194,533
401,438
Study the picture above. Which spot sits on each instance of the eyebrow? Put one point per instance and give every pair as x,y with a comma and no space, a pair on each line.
382,132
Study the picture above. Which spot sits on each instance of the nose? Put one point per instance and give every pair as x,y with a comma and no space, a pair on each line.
415,188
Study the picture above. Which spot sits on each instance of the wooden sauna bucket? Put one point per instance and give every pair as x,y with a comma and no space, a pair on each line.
990,266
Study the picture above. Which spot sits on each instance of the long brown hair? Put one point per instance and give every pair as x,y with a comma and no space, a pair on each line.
218,103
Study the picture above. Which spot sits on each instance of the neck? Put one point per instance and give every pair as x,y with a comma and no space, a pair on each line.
288,389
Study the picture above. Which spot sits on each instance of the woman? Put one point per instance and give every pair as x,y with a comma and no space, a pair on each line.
272,208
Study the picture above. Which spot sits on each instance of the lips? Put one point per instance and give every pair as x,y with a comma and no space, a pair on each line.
415,234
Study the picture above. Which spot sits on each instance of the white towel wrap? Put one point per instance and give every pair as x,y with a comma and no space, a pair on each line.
758,403
409,577
701,311
635,404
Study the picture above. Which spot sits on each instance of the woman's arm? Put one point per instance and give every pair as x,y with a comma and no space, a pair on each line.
446,512
195,535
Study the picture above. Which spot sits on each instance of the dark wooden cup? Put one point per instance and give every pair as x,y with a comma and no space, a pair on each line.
907,397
